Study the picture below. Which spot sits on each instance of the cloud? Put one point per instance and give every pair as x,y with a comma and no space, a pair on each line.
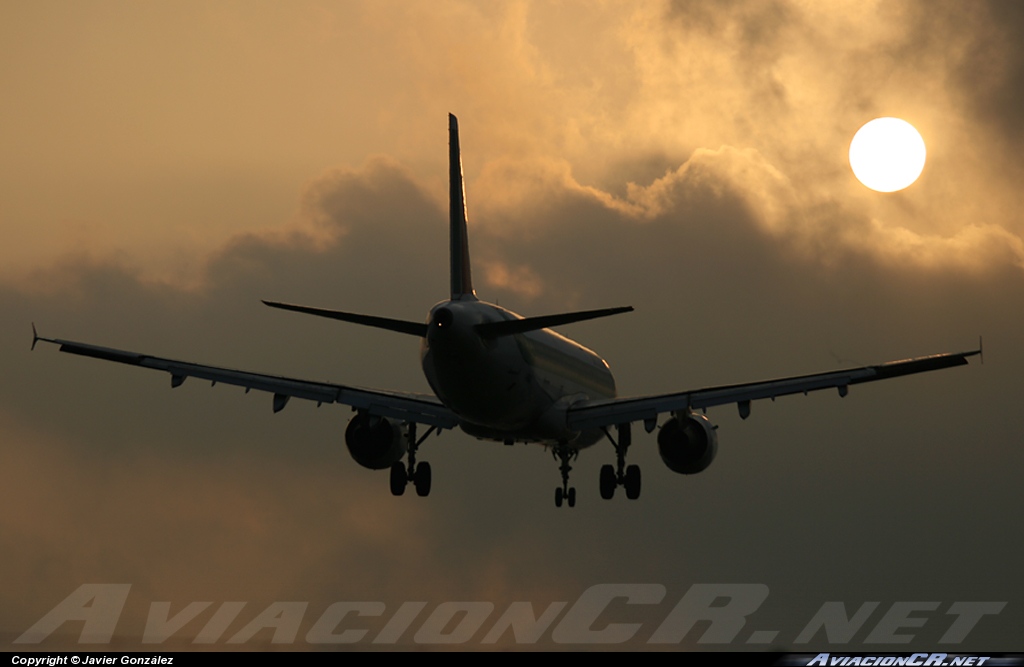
518,279
990,69
202,493
813,225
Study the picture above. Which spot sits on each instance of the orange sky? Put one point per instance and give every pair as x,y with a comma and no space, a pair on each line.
165,165
156,131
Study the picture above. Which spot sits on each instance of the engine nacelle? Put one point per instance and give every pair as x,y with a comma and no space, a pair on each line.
375,442
688,445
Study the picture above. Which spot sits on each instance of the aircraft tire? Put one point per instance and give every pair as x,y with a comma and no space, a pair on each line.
608,481
633,482
398,478
422,479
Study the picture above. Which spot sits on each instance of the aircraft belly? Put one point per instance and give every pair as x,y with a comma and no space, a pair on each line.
494,393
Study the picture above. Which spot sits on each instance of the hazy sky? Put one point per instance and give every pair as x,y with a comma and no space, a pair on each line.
165,165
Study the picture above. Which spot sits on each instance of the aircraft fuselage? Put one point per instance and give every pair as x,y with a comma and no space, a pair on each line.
510,388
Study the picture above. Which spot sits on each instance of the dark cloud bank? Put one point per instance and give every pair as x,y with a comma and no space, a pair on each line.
906,490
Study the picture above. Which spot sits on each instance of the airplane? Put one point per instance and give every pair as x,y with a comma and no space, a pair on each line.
503,377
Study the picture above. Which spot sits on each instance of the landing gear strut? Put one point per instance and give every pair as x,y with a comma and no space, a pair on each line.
620,474
565,492
419,475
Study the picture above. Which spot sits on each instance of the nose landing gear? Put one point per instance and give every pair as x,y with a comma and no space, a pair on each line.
418,474
621,474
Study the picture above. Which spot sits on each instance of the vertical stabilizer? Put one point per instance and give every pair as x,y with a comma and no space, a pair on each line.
462,278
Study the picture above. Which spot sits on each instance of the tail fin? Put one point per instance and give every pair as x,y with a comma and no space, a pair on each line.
462,278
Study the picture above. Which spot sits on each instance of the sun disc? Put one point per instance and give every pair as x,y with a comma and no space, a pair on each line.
887,154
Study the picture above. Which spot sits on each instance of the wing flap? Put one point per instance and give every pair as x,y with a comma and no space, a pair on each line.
419,408
607,412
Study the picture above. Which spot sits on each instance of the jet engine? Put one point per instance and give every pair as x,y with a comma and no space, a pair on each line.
688,444
374,442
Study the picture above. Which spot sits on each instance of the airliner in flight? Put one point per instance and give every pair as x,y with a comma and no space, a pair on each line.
507,378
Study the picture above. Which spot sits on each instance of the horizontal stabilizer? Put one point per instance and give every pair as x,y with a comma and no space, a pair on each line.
510,327
401,326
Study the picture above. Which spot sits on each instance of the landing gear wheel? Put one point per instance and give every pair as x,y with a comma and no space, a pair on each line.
562,452
620,473
398,479
632,482
608,481
417,474
422,479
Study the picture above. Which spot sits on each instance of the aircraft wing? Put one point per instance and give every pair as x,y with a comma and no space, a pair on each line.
419,408
607,412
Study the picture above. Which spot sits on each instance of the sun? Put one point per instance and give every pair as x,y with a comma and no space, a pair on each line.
887,154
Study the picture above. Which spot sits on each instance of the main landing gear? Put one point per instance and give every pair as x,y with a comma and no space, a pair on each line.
417,474
621,474
565,492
